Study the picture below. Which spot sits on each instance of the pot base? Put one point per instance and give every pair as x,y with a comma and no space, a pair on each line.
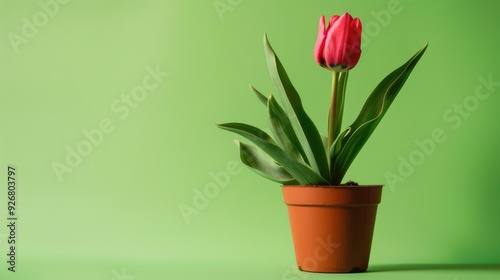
327,270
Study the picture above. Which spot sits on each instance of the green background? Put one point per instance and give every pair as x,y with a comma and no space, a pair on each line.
116,212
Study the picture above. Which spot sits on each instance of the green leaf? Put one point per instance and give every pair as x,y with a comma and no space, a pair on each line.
302,173
348,144
263,165
281,126
259,95
324,139
307,133
337,146
248,129
283,131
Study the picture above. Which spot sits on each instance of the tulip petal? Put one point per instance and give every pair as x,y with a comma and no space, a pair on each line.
333,19
356,25
320,42
354,44
336,41
327,52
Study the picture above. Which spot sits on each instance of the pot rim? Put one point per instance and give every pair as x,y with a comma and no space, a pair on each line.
346,196
332,186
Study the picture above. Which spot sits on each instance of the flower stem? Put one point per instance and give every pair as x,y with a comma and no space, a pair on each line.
335,117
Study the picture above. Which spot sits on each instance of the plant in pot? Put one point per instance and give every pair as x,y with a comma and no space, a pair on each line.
332,223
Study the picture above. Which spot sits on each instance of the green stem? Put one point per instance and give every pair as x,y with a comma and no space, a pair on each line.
333,117
342,83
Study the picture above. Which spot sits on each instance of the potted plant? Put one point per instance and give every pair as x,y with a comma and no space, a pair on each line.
332,223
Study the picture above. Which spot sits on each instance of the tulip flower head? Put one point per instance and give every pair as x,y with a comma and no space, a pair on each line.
338,46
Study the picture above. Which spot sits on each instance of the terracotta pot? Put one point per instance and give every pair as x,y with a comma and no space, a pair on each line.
332,226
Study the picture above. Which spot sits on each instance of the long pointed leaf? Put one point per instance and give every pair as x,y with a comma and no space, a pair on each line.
306,131
259,95
256,132
302,173
281,127
263,165
283,131
344,152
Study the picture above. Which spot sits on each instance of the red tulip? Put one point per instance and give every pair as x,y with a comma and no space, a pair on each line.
338,47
